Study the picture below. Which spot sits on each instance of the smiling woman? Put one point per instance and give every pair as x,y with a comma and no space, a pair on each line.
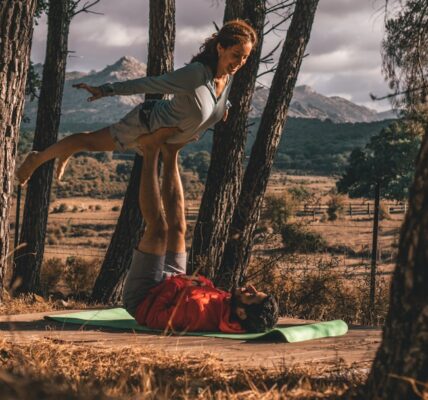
200,90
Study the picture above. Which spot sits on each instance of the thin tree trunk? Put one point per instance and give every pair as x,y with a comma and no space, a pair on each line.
225,172
374,252
246,214
108,286
28,260
402,359
16,28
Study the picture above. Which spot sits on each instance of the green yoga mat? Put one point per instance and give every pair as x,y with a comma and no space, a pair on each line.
118,318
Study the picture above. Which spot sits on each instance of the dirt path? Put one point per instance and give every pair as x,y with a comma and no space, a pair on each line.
356,348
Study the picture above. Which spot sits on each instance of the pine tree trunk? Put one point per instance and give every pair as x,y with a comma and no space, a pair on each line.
225,172
403,354
374,253
16,28
108,286
246,214
28,259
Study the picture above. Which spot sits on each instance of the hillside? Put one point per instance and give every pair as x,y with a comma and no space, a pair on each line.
306,102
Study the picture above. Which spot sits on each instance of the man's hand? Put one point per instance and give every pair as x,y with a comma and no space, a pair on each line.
93,90
226,113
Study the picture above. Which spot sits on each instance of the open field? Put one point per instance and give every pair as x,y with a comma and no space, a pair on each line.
83,226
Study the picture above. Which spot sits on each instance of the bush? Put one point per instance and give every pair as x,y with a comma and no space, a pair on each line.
51,273
98,207
336,205
297,239
61,208
278,209
80,275
115,208
318,290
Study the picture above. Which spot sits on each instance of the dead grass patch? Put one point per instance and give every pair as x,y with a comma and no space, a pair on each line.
49,370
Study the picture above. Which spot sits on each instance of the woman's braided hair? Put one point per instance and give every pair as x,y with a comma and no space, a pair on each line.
233,32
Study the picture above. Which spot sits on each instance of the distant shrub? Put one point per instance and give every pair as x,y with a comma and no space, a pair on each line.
103,156
51,273
298,239
299,193
115,208
336,205
278,209
98,207
80,275
61,208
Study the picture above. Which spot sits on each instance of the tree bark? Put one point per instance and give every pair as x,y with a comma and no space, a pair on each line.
224,178
16,29
108,286
246,214
374,253
403,355
28,259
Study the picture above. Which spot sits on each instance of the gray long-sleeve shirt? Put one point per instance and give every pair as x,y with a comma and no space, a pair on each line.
194,107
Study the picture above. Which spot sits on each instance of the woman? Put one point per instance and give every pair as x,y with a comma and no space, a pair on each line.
200,100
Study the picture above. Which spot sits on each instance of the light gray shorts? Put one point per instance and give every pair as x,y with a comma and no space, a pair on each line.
134,124
146,271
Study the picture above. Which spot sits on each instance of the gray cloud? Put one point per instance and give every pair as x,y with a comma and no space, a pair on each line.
344,46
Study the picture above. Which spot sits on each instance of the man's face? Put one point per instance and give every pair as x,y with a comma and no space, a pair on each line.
248,295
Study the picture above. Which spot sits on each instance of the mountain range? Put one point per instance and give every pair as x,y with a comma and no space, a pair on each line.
306,103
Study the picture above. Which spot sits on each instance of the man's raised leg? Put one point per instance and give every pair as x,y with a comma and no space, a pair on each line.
154,238
148,260
173,200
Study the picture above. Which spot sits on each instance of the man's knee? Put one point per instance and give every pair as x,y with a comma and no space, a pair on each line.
177,227
157,230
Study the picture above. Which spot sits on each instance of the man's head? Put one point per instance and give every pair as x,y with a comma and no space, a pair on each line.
256,311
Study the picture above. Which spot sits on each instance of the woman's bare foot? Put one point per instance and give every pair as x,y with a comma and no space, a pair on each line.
26,169
62,163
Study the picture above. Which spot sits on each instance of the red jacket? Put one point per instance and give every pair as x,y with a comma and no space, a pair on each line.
181,304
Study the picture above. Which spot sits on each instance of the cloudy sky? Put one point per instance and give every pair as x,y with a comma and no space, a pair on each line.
343,52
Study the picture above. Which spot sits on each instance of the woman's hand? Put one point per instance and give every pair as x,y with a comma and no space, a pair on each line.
93,90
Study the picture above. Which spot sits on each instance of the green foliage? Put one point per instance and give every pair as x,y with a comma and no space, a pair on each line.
336,205
404,55
310,145
298,239
278,209
198,162
388,160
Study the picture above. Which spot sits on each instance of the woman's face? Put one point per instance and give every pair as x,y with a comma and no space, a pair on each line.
231,59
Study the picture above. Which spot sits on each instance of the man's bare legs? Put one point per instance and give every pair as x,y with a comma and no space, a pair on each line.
173,199
100,140
154,238
165,227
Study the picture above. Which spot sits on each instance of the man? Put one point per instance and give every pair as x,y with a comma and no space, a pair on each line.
157,292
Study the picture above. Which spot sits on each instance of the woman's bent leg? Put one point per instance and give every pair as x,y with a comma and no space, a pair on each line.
100,140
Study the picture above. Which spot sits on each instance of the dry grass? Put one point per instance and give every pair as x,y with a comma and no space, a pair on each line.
49,370
31,303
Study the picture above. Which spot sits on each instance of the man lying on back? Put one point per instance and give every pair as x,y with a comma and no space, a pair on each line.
157,292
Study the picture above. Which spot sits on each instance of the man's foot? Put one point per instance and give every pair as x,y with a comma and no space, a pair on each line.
62,163
24,172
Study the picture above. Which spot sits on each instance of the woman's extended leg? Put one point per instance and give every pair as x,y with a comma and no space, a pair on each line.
100,140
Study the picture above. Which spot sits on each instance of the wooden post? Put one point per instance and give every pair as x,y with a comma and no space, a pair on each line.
368,209
350,210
